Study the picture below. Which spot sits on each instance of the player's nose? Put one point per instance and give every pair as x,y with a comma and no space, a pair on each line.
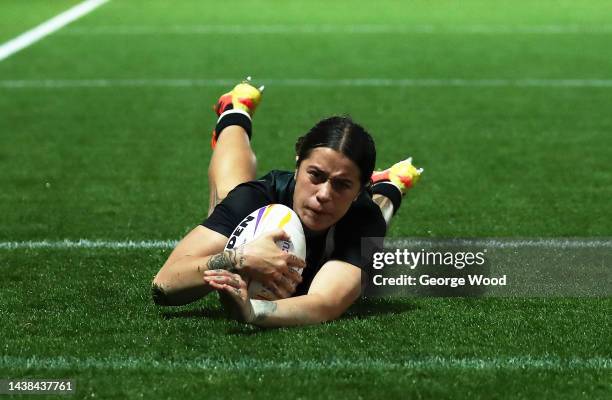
324,192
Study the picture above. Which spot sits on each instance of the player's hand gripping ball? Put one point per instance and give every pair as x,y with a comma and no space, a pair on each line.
264,220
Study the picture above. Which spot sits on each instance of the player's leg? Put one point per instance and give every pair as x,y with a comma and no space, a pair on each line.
389,186
233,161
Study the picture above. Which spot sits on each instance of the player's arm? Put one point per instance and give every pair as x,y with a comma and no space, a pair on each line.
181,278
335,287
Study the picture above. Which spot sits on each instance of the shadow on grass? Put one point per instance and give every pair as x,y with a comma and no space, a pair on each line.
374,307
209,313
362,309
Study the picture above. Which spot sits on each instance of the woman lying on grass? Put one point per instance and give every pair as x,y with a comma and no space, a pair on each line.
334,193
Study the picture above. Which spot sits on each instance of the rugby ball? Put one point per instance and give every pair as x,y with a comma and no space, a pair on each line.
262,221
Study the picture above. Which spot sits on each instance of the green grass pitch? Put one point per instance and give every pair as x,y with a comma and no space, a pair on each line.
126,159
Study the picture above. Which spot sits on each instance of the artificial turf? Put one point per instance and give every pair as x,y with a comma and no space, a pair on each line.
20,16
87,314
128,162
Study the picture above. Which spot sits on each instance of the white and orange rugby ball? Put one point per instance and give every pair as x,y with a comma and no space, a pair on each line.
264,220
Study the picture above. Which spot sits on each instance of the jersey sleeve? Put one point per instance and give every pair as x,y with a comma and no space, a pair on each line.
363,220
240,202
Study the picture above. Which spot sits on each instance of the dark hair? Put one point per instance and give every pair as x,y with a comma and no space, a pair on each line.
344,136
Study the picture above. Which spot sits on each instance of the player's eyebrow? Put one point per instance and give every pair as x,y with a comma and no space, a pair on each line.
340,179
318,170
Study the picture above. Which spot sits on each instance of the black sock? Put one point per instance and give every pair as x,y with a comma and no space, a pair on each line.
234,117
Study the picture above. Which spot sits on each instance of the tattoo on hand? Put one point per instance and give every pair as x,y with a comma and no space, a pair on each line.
263,309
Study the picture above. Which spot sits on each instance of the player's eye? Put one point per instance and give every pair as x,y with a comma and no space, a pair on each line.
316,176
341,185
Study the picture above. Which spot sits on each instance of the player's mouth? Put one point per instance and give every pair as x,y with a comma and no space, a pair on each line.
314,211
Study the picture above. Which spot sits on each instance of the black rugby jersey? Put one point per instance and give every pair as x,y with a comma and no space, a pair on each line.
341,242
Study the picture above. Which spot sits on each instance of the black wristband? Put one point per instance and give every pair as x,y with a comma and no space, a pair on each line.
390,191
234,118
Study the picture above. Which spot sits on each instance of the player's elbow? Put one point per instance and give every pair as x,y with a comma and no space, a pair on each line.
329,315
162,291
159,293
165,292
330,309
334,312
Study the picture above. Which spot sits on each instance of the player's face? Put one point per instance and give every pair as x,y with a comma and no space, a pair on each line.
326,184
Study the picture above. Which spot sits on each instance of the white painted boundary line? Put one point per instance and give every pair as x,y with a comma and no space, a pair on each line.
305,82
551,243
513,363
89,244
46,28
341,29
505,243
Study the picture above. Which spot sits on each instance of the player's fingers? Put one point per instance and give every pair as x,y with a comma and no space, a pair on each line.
236,281
295,261
232,291
241,282
233,282
266,295
222,280
217,272
278,290
215,285
216,278
295,277
279,234
276,273
236,291
228,280
286,284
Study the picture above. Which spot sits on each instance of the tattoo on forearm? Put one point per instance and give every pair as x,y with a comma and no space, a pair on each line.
230,260
239,254
225,260
263,309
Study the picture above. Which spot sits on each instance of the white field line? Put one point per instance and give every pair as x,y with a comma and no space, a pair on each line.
558,243
46,28
512,363
305,82
362,29
89,244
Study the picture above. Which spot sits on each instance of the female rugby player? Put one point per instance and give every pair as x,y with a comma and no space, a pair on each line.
333,191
